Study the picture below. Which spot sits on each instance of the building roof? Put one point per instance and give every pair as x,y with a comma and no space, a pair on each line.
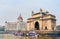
40,13
44,13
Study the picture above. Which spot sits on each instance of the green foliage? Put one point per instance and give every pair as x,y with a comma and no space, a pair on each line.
58,27
2,28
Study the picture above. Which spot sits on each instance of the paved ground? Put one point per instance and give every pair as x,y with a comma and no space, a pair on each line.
44,37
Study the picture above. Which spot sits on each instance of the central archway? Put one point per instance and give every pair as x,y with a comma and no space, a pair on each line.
36,25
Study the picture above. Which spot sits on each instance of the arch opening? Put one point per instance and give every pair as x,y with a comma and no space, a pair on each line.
36,25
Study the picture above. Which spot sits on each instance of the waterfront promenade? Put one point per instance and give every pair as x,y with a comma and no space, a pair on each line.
9,36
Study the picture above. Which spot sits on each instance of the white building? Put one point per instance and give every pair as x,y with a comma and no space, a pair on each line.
18,25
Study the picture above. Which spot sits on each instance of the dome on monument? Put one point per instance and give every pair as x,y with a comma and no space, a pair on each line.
20,17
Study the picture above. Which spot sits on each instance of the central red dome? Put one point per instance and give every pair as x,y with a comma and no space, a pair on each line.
20,18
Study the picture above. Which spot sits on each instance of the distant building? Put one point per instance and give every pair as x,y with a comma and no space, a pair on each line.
18,25
41,21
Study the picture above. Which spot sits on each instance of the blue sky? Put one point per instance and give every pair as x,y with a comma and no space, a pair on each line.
10,9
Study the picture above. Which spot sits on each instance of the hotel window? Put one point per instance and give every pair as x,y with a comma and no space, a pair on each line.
46,28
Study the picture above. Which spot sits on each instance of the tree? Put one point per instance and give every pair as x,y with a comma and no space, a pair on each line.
58,27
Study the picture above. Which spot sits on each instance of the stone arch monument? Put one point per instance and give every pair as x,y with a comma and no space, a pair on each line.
41,21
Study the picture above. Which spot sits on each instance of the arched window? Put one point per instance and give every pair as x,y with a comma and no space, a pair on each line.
46,28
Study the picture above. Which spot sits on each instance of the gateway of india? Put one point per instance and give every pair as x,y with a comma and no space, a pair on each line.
41,21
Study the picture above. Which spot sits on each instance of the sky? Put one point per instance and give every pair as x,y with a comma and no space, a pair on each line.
11,9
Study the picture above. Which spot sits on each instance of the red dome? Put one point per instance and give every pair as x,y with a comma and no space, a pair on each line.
20,18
